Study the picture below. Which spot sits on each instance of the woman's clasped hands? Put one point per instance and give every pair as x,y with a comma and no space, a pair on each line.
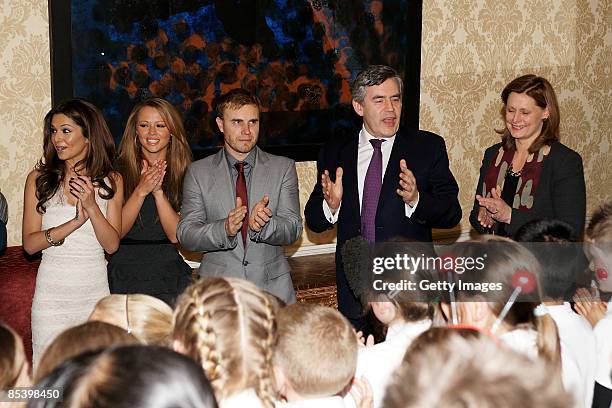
151,177
493,209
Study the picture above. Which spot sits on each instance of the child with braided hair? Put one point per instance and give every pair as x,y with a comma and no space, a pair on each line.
228,326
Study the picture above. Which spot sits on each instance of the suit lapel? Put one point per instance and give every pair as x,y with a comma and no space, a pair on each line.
391,178
348,161
222,187
260,178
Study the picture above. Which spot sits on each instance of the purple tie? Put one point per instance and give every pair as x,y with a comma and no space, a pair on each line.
371,192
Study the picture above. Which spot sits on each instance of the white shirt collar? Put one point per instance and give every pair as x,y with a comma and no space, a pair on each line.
365,136
565,307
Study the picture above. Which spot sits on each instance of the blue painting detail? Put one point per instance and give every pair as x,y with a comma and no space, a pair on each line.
298,56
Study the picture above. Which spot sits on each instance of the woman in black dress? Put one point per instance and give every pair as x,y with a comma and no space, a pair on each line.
530,175
153,157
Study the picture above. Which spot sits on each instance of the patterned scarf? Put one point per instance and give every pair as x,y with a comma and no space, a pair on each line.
528,180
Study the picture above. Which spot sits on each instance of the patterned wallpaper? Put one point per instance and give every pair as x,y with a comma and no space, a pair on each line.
471,49
25,98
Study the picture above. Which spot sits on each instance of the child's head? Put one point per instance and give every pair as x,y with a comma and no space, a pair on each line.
442,336
129,377
562,262
228,326
508,264
79,339
403,305
146,317
13,362
598,246
316,352
473,371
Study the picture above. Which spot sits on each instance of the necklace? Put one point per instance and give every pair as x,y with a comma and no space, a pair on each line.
513,173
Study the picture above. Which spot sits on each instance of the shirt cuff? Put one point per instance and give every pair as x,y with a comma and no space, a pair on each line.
410,210
331,218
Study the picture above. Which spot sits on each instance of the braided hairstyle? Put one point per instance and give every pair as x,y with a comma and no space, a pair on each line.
228,325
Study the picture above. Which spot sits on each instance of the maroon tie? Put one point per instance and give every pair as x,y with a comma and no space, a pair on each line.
241,191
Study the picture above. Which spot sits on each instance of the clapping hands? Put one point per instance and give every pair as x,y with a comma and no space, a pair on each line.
260,214
151,177
493,209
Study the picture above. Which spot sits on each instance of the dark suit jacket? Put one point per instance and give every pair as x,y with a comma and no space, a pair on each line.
438,207
560,194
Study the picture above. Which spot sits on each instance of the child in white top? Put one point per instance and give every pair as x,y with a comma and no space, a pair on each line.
227,325
315,357
446,368
509,313
554,244
404,313
596,306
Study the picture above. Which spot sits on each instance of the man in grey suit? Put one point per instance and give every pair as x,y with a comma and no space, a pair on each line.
241,205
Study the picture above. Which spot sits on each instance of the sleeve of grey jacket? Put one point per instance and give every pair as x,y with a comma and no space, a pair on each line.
195,231
285,226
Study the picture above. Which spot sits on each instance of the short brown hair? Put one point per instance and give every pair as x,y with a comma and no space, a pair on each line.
371,76
473,372
316,349
236,99
544,96
76,340
441,336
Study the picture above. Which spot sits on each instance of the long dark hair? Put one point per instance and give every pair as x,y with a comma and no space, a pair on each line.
129,376
97,164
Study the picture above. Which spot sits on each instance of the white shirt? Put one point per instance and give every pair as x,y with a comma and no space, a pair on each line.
377,363
365,151
246,398
327,402
603,344
524,341
578,356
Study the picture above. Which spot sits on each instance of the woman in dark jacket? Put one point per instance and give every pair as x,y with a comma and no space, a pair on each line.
530,174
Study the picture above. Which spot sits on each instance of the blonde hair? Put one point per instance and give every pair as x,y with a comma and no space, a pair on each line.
12,357
462,371
316,349
228,326
505,258
79,339
149,318
178,155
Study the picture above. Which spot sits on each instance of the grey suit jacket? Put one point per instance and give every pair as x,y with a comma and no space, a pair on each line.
208,197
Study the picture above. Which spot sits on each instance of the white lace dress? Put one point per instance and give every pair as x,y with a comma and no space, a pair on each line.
71,277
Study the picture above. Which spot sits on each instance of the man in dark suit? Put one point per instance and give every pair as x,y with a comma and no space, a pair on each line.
381,183
241,205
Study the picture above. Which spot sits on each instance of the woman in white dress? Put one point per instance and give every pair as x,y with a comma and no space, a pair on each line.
72,212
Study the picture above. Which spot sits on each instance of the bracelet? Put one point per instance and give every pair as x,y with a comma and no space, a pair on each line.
51,241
